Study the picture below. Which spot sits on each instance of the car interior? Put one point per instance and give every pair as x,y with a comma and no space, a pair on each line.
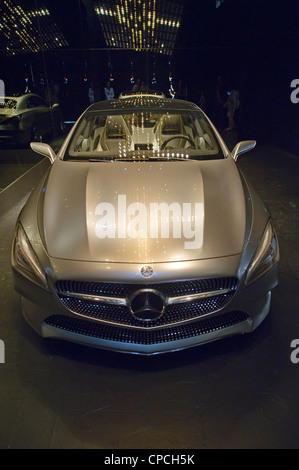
143,131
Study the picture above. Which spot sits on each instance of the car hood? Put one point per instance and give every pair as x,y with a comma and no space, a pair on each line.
143,212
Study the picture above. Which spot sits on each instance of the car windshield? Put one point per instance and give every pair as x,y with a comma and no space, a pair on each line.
8,103
143,134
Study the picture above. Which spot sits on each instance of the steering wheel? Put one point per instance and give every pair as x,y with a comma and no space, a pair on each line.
178,136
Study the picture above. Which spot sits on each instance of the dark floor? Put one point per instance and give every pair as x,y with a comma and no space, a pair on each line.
16,162
236,393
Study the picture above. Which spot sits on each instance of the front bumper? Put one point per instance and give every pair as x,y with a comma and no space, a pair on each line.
243,314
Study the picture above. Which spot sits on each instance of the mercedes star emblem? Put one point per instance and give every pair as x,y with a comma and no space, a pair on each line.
147,305
147,271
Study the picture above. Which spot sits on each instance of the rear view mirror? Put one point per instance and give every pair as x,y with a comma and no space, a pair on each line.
43,149
243,147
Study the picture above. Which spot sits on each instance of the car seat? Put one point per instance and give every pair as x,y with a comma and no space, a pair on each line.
171,125
116,134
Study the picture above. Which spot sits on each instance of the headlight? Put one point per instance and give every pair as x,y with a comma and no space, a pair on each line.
266,255
25,260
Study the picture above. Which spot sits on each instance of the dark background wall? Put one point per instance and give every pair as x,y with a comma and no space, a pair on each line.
251,42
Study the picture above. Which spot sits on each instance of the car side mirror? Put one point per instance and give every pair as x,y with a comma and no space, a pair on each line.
243,147
43,149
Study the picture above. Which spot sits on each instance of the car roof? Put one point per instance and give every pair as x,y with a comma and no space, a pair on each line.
144,102
131,93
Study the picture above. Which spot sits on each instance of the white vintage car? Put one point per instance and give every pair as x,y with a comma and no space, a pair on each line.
27,118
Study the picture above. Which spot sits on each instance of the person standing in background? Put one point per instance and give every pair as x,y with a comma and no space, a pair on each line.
91,94
137,86
202,102
109,92
232,104
52,93
181,92
220,100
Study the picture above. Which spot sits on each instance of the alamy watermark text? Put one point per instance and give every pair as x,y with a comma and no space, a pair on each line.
2,91
2,352
295,93
154,220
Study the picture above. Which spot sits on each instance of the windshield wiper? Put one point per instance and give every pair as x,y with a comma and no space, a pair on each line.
100,160
152,159
166,159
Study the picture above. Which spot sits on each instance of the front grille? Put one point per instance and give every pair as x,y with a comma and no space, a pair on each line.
147,337
121,314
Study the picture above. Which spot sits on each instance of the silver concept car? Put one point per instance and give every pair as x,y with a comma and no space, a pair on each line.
144,236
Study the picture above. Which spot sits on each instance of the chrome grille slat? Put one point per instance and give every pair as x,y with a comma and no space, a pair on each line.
95,298
198,296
